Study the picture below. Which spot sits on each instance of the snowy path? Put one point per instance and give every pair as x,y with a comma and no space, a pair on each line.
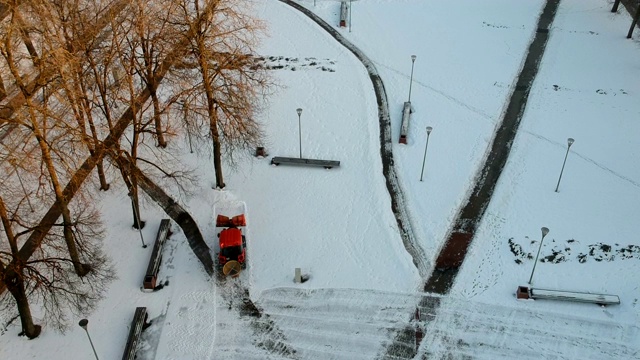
361,324
464,329
465,224
339,323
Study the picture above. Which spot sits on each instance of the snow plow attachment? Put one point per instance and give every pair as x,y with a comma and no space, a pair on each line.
225,221
232,268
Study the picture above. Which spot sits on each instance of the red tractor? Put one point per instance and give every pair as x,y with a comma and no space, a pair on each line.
233,243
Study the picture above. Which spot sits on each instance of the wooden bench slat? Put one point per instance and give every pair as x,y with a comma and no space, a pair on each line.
603,299
277,160
137,325
344,13
404,127
156,255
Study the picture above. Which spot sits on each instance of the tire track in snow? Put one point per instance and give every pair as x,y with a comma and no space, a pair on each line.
239,322
190,334
358,324
344,323
466,329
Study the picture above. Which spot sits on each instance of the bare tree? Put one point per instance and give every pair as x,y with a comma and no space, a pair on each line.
39,10
227,89
125,50
78,92
154,34
144,40
48,278
75,75
16,286
35,120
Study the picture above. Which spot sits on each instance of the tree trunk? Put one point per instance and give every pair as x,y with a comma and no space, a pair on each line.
81,269
633,23
615,6
17,290
180,216
3,91
217,154
125,168
104,185
156,118
26,38
86,107
213,126
15,285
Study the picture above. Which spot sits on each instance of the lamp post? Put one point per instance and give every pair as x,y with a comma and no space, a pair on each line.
569,143
83,324
349,15
429,128
413,60
299,111
545,231
137,214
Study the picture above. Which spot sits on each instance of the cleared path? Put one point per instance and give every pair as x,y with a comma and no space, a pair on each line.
453,252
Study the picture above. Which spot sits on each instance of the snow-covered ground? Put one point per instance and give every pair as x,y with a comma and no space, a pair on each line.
337,224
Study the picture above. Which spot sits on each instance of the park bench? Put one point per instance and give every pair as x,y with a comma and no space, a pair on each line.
138,324
344,13
524,292
327,164
404,128
151,275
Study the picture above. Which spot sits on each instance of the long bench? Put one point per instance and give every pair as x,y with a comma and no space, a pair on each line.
524,292
327,164
344,13
138,324
151,275
404,127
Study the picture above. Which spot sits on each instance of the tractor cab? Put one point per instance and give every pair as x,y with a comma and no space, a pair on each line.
232,246
232,242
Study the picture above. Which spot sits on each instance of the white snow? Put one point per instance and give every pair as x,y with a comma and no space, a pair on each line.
337,224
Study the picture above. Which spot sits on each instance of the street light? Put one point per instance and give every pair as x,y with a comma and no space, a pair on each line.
83,324
569,143
299,111
413,60
545,231
137,214
349,15
429,128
